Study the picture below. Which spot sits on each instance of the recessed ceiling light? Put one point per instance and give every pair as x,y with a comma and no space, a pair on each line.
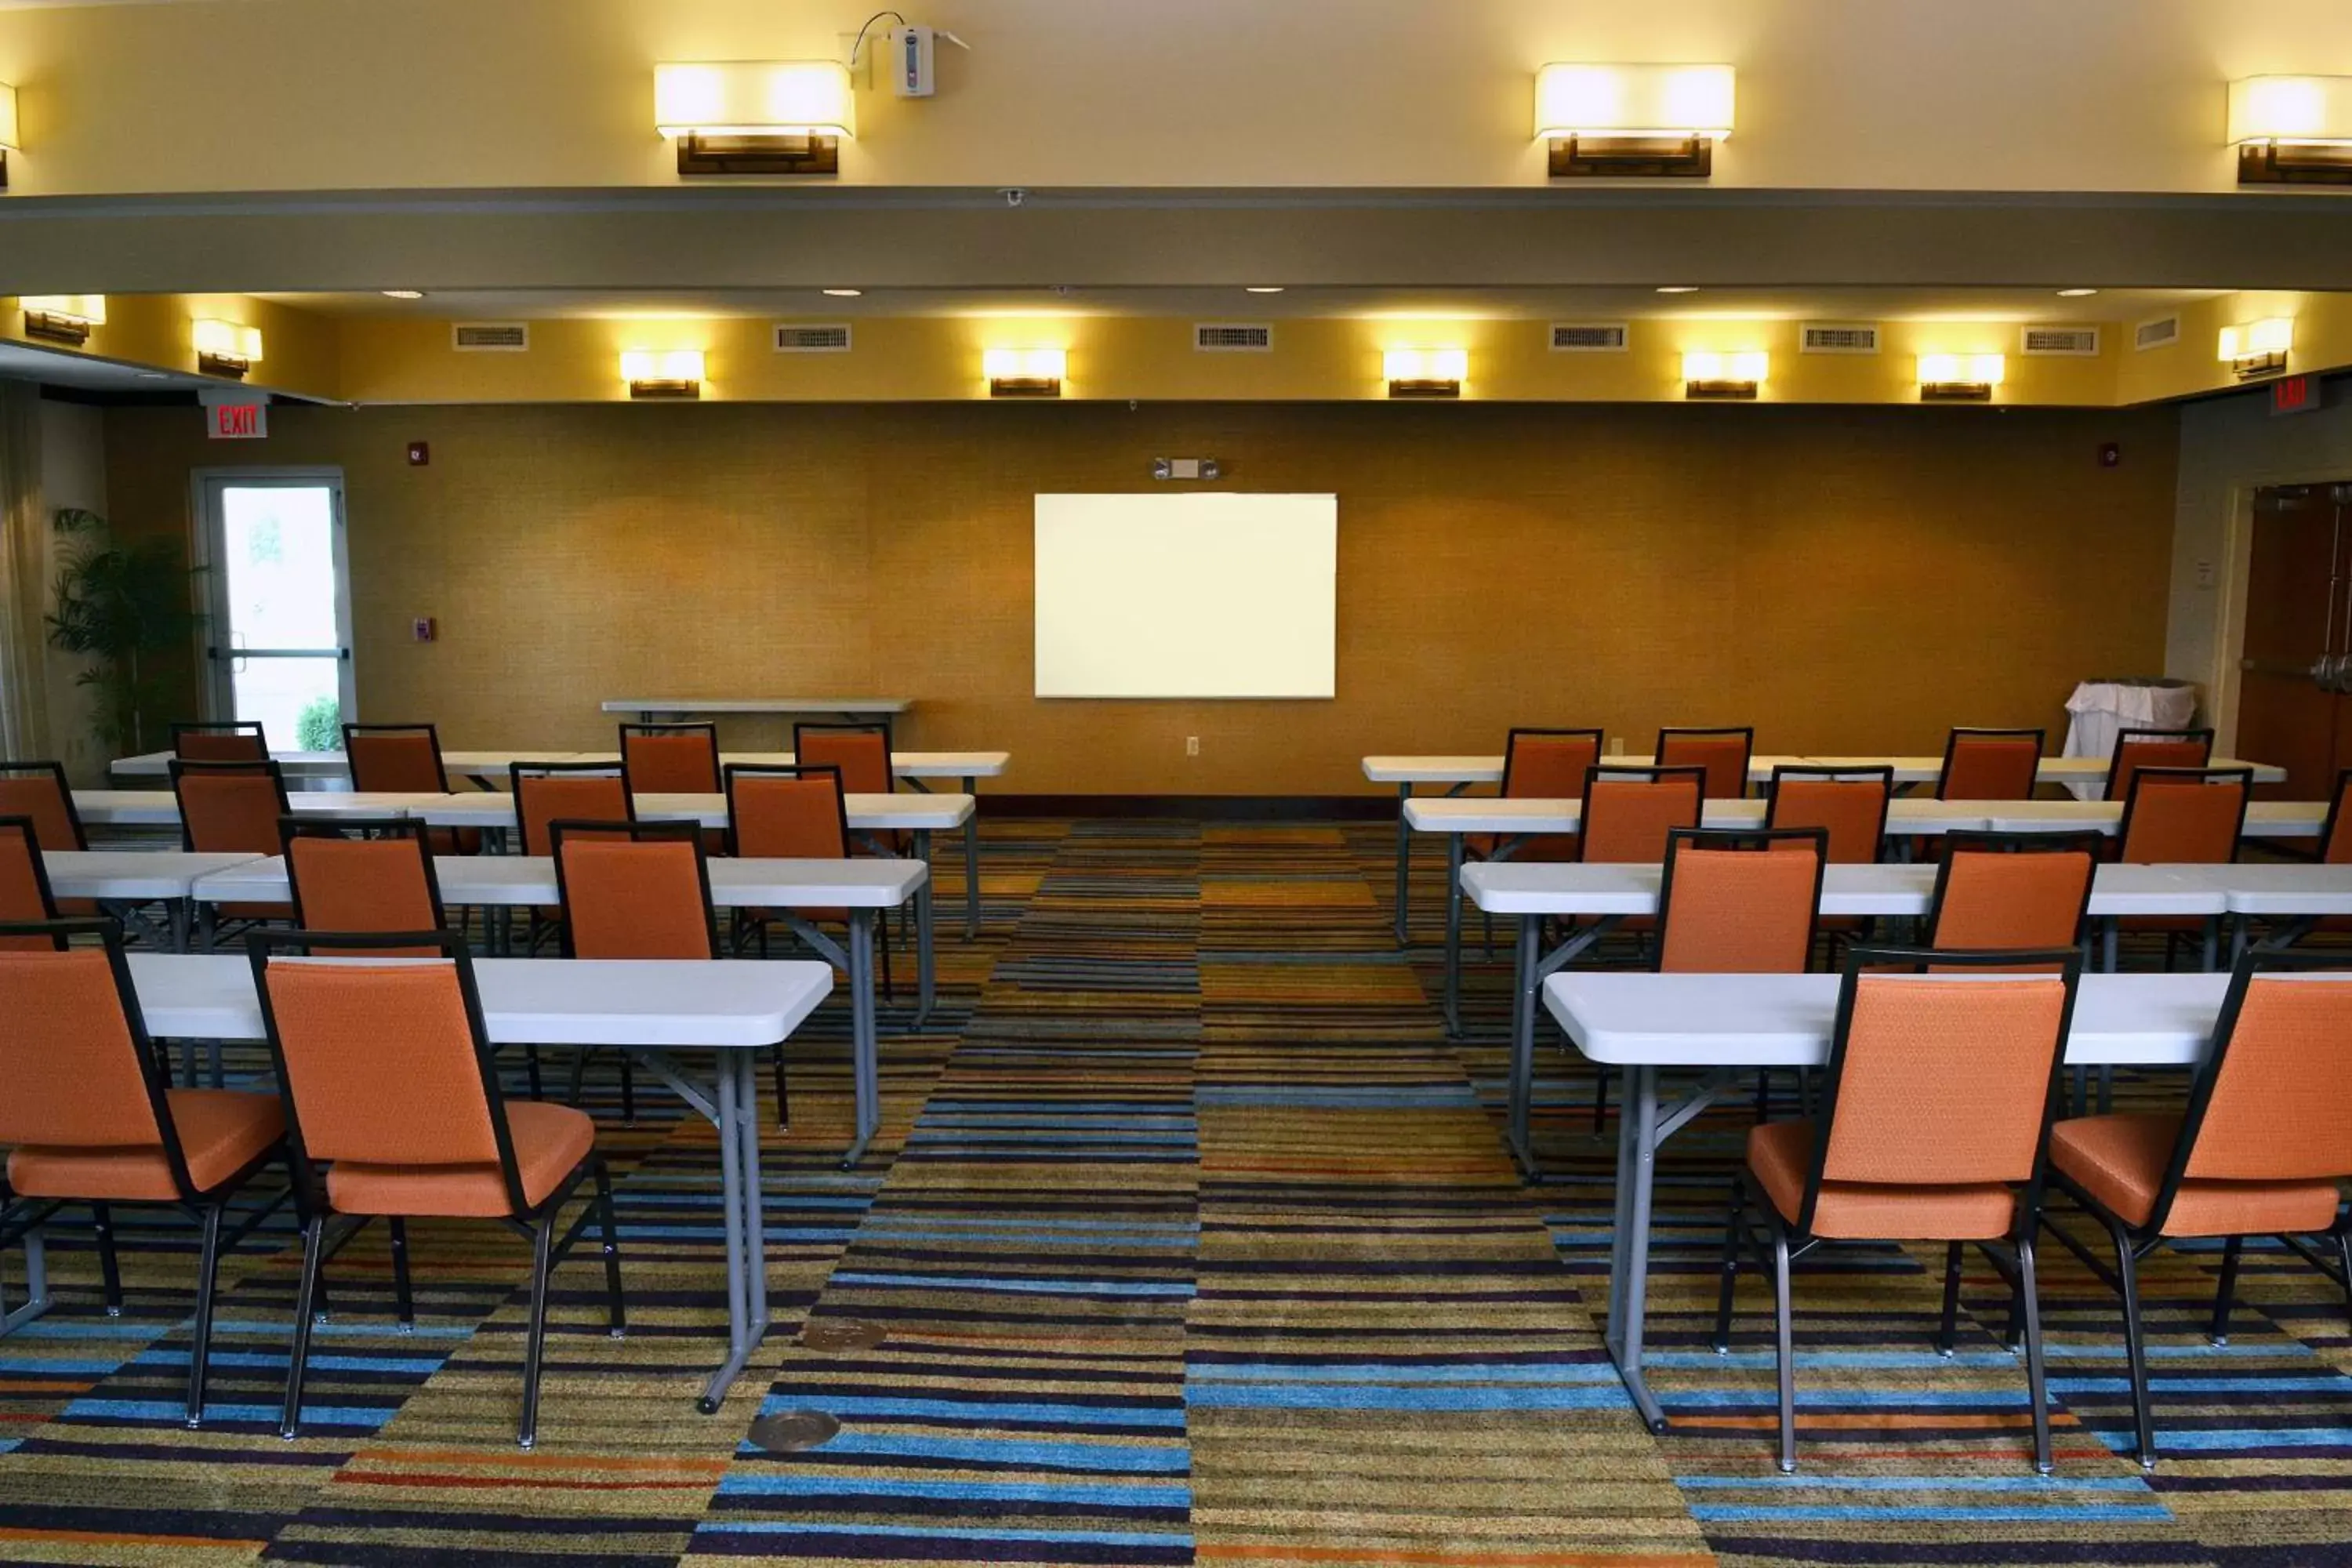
1678,288
403,293
842,293
1262,288
2075,293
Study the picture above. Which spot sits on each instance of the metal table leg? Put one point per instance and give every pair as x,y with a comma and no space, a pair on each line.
37,1298
177,910
1629,1278
740,1338
1404,863
1453,935
1533,966
755,1229
926,971
865,1074
971,862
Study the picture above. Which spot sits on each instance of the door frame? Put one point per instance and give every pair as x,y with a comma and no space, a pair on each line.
215,696
2237,582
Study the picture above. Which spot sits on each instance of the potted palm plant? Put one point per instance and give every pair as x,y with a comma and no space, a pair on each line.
127,608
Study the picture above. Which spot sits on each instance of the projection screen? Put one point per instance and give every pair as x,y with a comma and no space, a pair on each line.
1212,595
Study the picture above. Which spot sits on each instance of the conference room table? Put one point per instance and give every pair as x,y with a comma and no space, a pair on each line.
1460,772
1907,817
489,770
659,1010
124,882
858,886
653,710
1534,891
1723,1026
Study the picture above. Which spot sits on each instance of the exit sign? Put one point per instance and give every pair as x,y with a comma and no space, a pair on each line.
2294,394
237,421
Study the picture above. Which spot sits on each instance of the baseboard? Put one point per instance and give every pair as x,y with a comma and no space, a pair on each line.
1204,807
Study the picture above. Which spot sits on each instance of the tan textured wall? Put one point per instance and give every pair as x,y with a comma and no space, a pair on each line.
1848,580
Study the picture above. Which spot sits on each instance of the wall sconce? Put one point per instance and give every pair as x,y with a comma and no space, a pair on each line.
226,348
2258,348
756,117
2292,130
1425,373
63,318
1646,120
1707,374
8,139
1025,373
668,372
1960,378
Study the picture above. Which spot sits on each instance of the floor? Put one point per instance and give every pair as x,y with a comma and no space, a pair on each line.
1189,1237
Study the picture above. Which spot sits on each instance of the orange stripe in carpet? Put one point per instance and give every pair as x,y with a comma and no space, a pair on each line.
106,1538
475,1458
537,1483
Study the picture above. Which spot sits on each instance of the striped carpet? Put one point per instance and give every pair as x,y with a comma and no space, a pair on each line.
1189,1237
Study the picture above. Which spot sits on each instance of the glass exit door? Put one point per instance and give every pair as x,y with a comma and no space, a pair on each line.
279,639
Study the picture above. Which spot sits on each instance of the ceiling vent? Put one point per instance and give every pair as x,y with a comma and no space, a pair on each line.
801,338
1589,337
2081,343
1840,338
1232,338
2162,332
489,337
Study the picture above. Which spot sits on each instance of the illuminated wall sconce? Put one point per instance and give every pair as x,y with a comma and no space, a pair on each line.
1652,121
1960,378
226,348
666,372
1025,373
1707,374
756,117
1425,373
63,318
8,139
2292,130
2258,348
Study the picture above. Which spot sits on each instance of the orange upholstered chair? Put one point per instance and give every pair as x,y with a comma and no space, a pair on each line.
392,1110
863,753
1997,892
2138,749
579,791
2263,1148
362,874
23,882
223,742
1628,811
1728,904
2335,838
1849,804
405,759
2182,817
231,808
632,889
1541,764
39,791
671,759
1990,765
1724,754
1934,1126
788,811
94,1121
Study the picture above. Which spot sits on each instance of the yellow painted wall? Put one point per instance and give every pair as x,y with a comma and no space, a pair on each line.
276,95
1849,580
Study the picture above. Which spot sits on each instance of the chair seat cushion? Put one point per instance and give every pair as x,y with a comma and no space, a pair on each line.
221,1132
2120,1161
548,1141
1780,1153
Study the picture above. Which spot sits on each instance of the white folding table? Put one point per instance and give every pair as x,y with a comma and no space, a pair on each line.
485,767
654,1008
1726,1025
120,881
859,887
1531,892
2265,819
1509,820
653,710
2053,771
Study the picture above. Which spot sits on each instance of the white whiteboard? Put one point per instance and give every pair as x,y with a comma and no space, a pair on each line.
1211,595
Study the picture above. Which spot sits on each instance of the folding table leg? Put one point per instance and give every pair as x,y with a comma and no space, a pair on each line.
864,1050
1629,1277
1403,865
926,970
1453,935
731,1190
971,862
37,1298
1523,1041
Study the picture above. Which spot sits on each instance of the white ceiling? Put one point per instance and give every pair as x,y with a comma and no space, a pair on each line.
22,363
1312,301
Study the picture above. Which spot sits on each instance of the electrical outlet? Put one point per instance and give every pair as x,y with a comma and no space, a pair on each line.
2205,576
1616,745
1192,745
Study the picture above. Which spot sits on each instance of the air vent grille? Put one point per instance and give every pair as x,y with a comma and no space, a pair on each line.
1232,338
1589,337
489,337
2156,334
1840,338
806,338
2079,342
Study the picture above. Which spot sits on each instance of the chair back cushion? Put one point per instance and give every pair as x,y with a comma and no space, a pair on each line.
41,797
2025,898
1723,755
2184,822
1738,911
862,756
402,761
780,816
67,1056
380,1062
1990,767
2281,1103
23,894
681,761
361,885
1852,812
1627,819
542,798
228,813
2165,751
624,900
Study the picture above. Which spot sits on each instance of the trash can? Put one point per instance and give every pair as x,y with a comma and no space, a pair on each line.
2102,706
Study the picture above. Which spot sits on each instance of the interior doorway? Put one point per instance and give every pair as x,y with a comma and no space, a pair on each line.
279,644
2294,685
